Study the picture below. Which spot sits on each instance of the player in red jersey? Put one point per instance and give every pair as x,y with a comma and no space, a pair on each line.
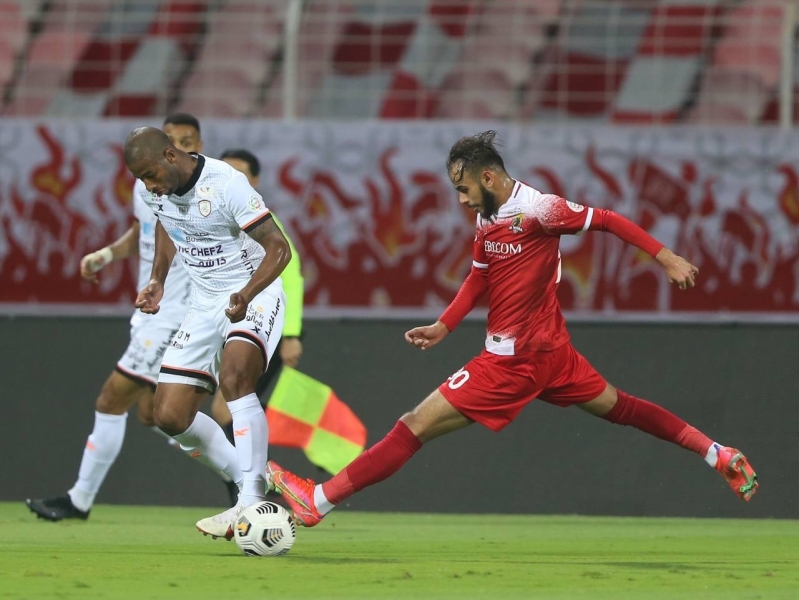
527,352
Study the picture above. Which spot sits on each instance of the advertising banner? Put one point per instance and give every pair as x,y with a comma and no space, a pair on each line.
376,221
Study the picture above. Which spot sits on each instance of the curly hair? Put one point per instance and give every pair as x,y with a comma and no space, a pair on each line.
474,152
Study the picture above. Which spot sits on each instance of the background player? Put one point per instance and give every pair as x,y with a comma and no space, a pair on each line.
527,351
234,253
134,378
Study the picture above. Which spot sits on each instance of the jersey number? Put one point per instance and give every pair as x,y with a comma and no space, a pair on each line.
457,379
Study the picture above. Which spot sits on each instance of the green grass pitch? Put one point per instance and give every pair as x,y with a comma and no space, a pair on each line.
152,552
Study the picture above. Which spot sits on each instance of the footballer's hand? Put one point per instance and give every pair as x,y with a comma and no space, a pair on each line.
149,299
238,307
427,336
678,270
291,351
92,263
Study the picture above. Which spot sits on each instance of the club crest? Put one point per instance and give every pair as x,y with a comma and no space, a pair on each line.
575,207
254,202
204,206
516,224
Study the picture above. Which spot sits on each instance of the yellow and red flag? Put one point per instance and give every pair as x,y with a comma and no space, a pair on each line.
306,413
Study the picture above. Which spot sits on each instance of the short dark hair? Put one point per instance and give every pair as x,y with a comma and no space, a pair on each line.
183,119
475,152
246,156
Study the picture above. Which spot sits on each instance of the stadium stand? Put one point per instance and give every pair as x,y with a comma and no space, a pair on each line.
622,61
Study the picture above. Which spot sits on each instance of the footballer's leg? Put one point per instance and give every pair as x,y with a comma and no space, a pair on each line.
176,413
622,408
221,414
577,381
309,502
242,364
118,394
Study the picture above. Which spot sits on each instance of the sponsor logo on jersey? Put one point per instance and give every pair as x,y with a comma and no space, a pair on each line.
205,190
254,202
516,225
575,207
204,206
504,248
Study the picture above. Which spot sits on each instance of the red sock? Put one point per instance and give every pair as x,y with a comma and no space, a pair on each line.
656,420
379,462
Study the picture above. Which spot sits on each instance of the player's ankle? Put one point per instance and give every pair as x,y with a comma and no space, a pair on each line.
321,503
712,454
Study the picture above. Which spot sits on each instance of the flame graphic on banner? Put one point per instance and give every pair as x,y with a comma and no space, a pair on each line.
47,236
789,196
377,223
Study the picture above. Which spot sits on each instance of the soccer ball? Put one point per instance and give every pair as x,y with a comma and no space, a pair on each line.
265,529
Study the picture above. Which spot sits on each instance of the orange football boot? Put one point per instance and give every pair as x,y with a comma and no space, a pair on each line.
298,494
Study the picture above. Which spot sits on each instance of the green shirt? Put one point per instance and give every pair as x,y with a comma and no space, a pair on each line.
293,286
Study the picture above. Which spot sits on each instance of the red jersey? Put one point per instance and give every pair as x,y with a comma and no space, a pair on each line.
516,259
519,250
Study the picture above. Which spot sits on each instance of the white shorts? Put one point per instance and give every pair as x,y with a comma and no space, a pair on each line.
149,339
195,353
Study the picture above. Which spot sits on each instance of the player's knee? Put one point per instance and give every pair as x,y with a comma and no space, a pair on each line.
146,418
236,382
113,400
170,420
413,422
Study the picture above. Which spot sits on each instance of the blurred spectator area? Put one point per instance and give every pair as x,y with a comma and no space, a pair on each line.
616,61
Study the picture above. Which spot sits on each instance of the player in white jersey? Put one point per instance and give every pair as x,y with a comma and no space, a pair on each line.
209,215
134,378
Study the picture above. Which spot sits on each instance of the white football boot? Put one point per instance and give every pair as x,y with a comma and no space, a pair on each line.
221,525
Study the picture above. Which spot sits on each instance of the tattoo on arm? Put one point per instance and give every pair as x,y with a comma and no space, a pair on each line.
264,230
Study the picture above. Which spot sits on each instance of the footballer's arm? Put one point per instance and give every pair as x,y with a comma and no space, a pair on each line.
126,246
277,256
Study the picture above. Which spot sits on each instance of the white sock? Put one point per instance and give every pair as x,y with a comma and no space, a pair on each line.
175,444
172,441
323,505
205,441
252,446
712,455
102,449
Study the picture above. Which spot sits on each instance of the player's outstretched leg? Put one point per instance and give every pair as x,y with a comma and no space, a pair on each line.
310,502
657,421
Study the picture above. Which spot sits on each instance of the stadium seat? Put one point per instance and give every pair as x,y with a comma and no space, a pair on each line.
581,73
744,72
13,25
256,27
497,58
660,78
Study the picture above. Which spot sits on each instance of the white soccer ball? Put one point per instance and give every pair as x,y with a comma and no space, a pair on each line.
265,529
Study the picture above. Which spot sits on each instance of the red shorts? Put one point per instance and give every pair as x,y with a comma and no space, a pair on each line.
493,390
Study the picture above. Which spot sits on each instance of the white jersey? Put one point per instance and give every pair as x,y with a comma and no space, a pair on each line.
207,220
177,288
